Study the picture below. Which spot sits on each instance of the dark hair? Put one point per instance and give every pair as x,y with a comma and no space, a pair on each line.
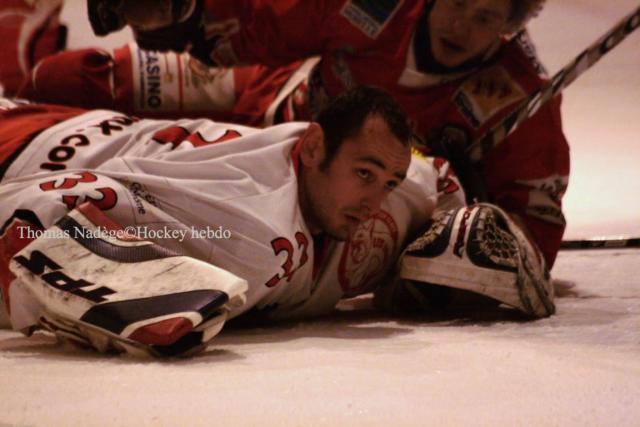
344,116
523,10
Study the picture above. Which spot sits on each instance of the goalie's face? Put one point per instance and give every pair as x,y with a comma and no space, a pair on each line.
336,196
461,30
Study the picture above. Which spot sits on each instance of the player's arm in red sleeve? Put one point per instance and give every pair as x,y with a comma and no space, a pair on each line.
530,177
266,31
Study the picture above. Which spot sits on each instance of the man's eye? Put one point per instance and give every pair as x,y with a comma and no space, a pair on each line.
364,174
481,19
391,185
485,21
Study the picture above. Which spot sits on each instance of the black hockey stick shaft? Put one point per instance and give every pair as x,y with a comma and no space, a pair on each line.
563,78
604,243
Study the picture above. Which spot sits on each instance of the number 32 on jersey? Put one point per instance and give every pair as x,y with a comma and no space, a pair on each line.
282,244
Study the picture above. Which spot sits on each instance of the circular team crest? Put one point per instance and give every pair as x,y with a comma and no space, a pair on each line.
366,256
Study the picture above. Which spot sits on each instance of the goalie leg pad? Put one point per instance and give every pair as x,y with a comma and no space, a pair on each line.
480,249
117,292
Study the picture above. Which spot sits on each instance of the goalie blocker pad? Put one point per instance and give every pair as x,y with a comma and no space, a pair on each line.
480,249
91,283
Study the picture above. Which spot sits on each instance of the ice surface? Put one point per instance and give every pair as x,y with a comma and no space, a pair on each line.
579,367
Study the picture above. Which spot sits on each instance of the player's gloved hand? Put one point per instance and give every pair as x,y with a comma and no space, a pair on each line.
451,142
162,25
105,16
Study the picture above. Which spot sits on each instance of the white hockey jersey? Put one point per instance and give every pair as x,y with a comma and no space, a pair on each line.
222,193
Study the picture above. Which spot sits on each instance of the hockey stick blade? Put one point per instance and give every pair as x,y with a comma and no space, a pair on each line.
563,78
602,243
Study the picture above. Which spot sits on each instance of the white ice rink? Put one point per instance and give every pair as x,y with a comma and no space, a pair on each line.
580,367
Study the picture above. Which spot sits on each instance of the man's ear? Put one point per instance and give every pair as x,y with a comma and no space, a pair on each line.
312,151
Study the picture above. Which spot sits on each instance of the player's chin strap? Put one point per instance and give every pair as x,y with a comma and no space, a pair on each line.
89,282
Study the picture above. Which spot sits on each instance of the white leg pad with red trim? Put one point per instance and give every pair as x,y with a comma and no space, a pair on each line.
89,282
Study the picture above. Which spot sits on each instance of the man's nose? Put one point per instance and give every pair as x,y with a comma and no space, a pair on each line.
373,200
459,25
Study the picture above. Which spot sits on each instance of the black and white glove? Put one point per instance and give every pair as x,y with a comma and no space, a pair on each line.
480,249
451,142
161,25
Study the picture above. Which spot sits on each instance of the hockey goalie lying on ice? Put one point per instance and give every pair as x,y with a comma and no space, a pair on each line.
145,236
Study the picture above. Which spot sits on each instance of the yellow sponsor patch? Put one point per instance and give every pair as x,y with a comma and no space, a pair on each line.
485,93
416,153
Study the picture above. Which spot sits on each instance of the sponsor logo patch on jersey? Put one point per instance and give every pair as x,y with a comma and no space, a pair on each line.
370,16
484,94
156,84
416,153
141,195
